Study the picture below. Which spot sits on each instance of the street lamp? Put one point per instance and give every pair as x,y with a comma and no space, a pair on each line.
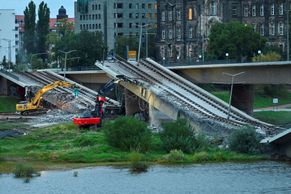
139,43
66,56
231,89
259,53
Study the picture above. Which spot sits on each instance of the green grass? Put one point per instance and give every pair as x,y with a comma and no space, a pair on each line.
7,104
259,101
276,118
67,144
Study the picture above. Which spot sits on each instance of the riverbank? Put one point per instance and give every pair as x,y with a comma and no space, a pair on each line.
65,146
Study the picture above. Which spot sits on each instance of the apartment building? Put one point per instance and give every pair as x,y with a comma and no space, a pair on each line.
183,26
115,17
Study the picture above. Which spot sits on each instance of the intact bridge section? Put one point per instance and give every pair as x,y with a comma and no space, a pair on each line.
177,97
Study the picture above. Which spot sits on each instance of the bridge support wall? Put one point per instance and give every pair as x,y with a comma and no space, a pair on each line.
131,103
243,97
3,86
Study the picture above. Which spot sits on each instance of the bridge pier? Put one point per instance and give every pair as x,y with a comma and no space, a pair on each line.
131,103
243,97
3,86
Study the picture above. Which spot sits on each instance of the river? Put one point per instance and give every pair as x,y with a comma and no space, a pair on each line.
259,177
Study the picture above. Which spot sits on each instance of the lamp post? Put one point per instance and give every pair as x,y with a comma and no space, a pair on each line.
231,89
66,56
259,53
139,43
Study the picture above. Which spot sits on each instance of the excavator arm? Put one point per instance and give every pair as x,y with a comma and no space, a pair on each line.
34,103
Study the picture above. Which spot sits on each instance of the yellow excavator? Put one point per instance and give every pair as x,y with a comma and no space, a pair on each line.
32,106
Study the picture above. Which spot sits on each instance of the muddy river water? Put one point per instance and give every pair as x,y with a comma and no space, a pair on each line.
259,177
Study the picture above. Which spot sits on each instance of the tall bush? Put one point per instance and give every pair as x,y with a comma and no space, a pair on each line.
178,135
128,134
244,140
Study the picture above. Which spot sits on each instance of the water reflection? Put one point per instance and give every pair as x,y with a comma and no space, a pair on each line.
262,177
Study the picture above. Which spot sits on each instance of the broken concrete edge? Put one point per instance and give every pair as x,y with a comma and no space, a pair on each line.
276,138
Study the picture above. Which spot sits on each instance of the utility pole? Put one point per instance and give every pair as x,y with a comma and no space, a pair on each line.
231,90
288,31
66,56
9,51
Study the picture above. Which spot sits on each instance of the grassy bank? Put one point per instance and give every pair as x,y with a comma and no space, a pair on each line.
7,104
67,144
259,101
277,118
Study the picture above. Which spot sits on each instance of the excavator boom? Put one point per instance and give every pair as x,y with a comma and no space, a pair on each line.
34,103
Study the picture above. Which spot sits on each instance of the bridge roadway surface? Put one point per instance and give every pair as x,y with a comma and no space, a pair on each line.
278,72
176,96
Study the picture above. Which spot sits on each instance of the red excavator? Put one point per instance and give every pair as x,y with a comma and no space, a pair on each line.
94,118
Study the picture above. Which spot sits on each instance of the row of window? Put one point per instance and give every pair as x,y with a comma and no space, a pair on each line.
171,15
96,7
90,17
272,29
143,15
170,33
247,13
90,26
136,6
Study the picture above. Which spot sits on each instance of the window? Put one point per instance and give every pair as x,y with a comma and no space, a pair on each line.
262,10
272,29
234,11
155,5
179,33
93,7
190,32
130,25
149,15
170,15
81,27
143,15
281,9
149,5
136,25
143,6
273,9
162,52
163,34
99,7
136,15
119,5
130,15
119,15
255,27
254,10
136,6
280,28
119,25
246,11
170,34
81,17
179,15
213,10
170,51
163,16
190,14
130,5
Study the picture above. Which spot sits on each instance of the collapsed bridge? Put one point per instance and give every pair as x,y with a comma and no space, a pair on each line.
176,96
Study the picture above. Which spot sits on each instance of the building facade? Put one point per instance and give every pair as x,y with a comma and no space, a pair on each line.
183,26
115,17
9,35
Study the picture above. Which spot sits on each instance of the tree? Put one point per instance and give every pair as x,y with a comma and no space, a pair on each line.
29,28
237,39
124,42
42,27
89,47
64,27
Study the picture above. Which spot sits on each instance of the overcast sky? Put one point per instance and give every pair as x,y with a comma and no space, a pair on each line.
54,5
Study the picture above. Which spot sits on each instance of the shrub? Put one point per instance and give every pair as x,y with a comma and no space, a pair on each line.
137,164
128,134
244,140
178,135
175,156
24,171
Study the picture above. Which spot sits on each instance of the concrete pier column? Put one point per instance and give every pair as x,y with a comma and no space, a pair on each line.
3,86
131,103
154,117
243,97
